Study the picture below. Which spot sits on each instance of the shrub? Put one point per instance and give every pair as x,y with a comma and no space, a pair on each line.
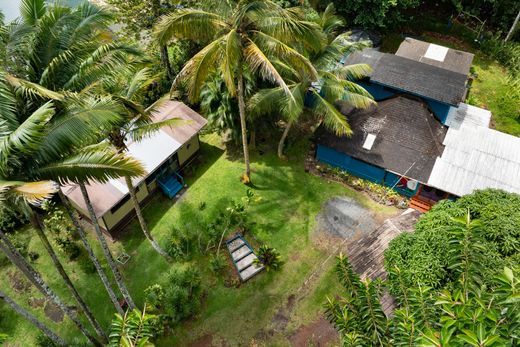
181,244
86,264
182,293
10,220
154,296
217,263
422,256
69,247
269,257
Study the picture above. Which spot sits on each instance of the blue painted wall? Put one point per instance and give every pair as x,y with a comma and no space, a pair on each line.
439,109
361,169
380,92
356,167
377,91
391,180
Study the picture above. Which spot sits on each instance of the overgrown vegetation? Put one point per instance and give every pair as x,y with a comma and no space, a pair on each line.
467,314
424,255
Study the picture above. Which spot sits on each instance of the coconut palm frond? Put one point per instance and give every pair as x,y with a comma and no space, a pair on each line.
258,61
139,81
266,101
106,59
189,24
231,56
31,192
275,47
286,28
199,67
83,122
27,136
32,10
329,21
8,111
332,118
31,90
352,72
98,166
146,130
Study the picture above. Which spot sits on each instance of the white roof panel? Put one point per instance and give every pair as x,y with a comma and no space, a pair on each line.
436,52
369,141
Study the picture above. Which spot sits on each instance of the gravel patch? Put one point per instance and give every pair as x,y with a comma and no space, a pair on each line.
343,217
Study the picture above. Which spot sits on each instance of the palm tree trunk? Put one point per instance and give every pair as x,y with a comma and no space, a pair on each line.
91,254
142,221
27,315
16,258
281,144
166,62
242,111
106,251
37,224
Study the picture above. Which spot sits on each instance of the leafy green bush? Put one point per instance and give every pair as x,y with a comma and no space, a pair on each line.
154,296
10,220
423,256
182,293
269,257
217,263
86,264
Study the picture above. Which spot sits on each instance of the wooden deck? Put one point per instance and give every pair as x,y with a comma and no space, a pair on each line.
367,253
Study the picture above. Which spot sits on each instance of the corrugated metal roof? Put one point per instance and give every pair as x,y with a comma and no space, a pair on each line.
476,157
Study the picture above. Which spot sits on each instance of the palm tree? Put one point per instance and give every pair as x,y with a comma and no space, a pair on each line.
63,48
27,315
44,145
253,33
318,97
67,50
137,124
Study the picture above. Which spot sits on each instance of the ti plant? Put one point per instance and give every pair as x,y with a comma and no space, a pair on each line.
269,258
134,329
465,314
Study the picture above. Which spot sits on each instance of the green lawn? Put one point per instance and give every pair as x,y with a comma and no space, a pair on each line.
284,217
489,89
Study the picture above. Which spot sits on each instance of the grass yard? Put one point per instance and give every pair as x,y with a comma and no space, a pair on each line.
283,217
489,89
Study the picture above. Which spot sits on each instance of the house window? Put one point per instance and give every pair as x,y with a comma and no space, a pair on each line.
120,204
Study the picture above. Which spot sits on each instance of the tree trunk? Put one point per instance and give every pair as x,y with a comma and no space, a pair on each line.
37,224
512,30
242,111
166,62
281,144
142,221
91,254
16,258
27,315
106,251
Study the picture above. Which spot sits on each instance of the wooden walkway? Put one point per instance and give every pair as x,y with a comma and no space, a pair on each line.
367,253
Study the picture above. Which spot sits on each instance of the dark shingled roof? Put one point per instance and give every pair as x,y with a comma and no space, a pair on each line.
407,135
413,77
457,61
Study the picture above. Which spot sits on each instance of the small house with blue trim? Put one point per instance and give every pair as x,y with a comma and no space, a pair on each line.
163,155
421,136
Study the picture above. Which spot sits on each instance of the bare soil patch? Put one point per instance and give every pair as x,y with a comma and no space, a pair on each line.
53,312
319,333
18,282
